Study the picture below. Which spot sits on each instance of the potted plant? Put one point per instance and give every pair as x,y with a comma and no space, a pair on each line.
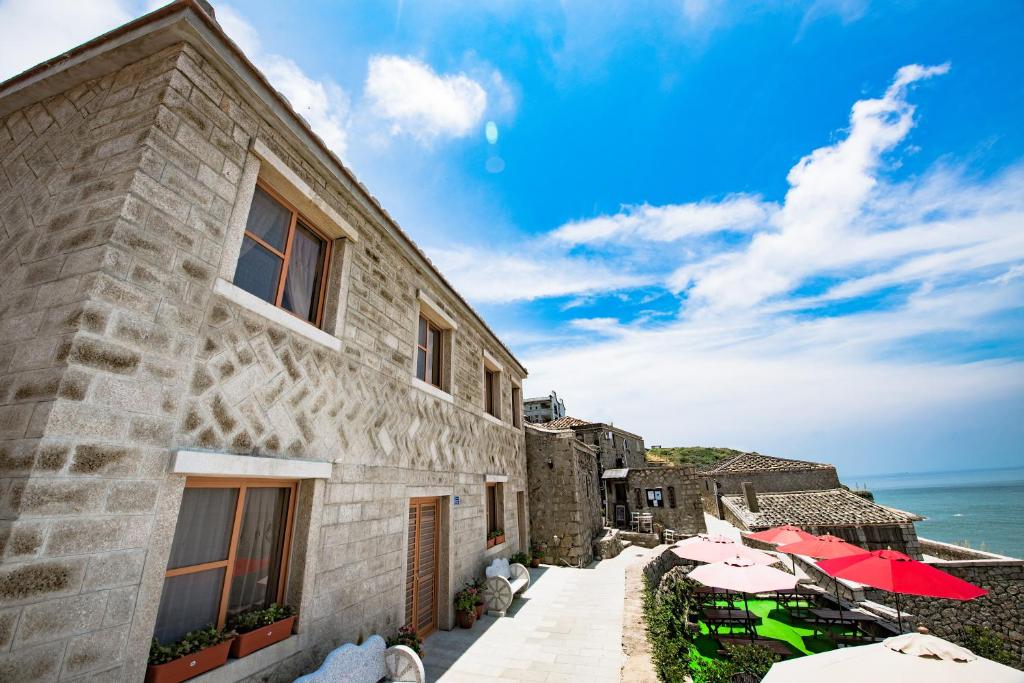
520,558
408,636
496,537
197,652
465,608
258,628
477,587
536,552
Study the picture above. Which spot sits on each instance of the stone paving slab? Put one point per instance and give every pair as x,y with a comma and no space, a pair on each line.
566,627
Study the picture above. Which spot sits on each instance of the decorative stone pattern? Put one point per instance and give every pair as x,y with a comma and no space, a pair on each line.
565,512
115,199
999,611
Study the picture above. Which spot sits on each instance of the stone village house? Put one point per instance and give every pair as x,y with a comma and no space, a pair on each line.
227,377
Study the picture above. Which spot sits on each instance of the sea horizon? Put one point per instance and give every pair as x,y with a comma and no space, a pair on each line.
979,507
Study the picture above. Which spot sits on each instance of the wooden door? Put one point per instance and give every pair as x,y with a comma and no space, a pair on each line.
421,563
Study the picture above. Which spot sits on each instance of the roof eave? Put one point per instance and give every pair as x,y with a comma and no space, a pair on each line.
186,21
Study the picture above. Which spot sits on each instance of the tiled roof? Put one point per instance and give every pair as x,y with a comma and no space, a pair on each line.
755,462
566,423
831,507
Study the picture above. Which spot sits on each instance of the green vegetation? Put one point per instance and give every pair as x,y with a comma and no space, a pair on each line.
681,645
985,643
695,456
257,618
191,642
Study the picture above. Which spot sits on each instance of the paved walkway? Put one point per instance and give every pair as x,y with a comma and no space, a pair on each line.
566,627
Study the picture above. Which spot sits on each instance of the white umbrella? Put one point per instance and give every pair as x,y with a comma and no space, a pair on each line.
907,658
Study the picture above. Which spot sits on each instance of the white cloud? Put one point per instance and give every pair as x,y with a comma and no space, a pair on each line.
490,276
415,100
34,31
322,102
669,223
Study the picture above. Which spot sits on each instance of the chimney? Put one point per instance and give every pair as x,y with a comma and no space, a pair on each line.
751,497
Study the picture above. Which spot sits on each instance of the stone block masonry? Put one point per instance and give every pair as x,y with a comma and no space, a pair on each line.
116,350
565,510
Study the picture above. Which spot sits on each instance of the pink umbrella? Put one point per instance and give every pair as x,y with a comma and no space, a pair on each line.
718,548
743,576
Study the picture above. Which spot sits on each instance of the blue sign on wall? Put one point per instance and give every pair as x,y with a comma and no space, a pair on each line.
457,500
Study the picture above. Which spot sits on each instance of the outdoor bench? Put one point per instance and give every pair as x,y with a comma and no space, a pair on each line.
776,647
370,662
504,580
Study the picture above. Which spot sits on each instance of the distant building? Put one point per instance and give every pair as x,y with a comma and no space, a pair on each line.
766,473
543,409
670,494
616,448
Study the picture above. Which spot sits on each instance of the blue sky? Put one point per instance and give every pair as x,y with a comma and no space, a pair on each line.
795,227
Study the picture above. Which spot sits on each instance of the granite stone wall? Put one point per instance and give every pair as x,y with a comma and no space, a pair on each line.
1001,611
687,517
116,205
817,479
565,511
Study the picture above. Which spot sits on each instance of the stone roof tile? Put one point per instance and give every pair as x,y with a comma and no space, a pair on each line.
756,462
830,507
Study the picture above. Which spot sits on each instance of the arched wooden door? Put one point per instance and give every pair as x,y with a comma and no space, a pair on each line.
421,565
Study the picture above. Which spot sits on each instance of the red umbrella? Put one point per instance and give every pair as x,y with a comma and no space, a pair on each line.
781,535
826,546
898,573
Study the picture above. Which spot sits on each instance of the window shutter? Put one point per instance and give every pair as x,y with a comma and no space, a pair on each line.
671,496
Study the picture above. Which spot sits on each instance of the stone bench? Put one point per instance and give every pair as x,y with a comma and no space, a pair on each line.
504,580
370,662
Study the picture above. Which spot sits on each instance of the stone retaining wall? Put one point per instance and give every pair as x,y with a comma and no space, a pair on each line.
1001,611
950,551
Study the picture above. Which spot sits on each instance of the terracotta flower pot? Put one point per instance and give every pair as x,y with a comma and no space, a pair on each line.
490,542
535,562
479,610
259,638
499,540
465,619
189,666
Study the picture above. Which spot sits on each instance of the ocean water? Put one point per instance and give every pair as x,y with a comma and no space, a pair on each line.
983,509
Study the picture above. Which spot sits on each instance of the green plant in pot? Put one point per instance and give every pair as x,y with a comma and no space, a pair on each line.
496,537
465,608
520,558
536,553
408,636
477,586
260,627
196,652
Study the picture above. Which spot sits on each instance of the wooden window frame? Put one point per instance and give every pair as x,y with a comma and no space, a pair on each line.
495,512
236,526
428,365
672,496
492,387
517,406
285,256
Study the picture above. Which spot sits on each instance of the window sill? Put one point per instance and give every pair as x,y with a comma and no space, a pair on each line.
428,388
239,669
496,420
274,314
494,549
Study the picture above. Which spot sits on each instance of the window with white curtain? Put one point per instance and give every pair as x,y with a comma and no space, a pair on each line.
229,553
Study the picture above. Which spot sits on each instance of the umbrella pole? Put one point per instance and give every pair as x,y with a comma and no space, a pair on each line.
839,600
750,623
899,616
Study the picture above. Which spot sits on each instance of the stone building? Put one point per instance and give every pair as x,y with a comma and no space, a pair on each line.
833,511
671,494
543,408
226,374
616,448
766,473
565,509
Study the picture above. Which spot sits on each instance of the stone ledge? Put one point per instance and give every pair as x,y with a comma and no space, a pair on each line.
225,465
239,296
